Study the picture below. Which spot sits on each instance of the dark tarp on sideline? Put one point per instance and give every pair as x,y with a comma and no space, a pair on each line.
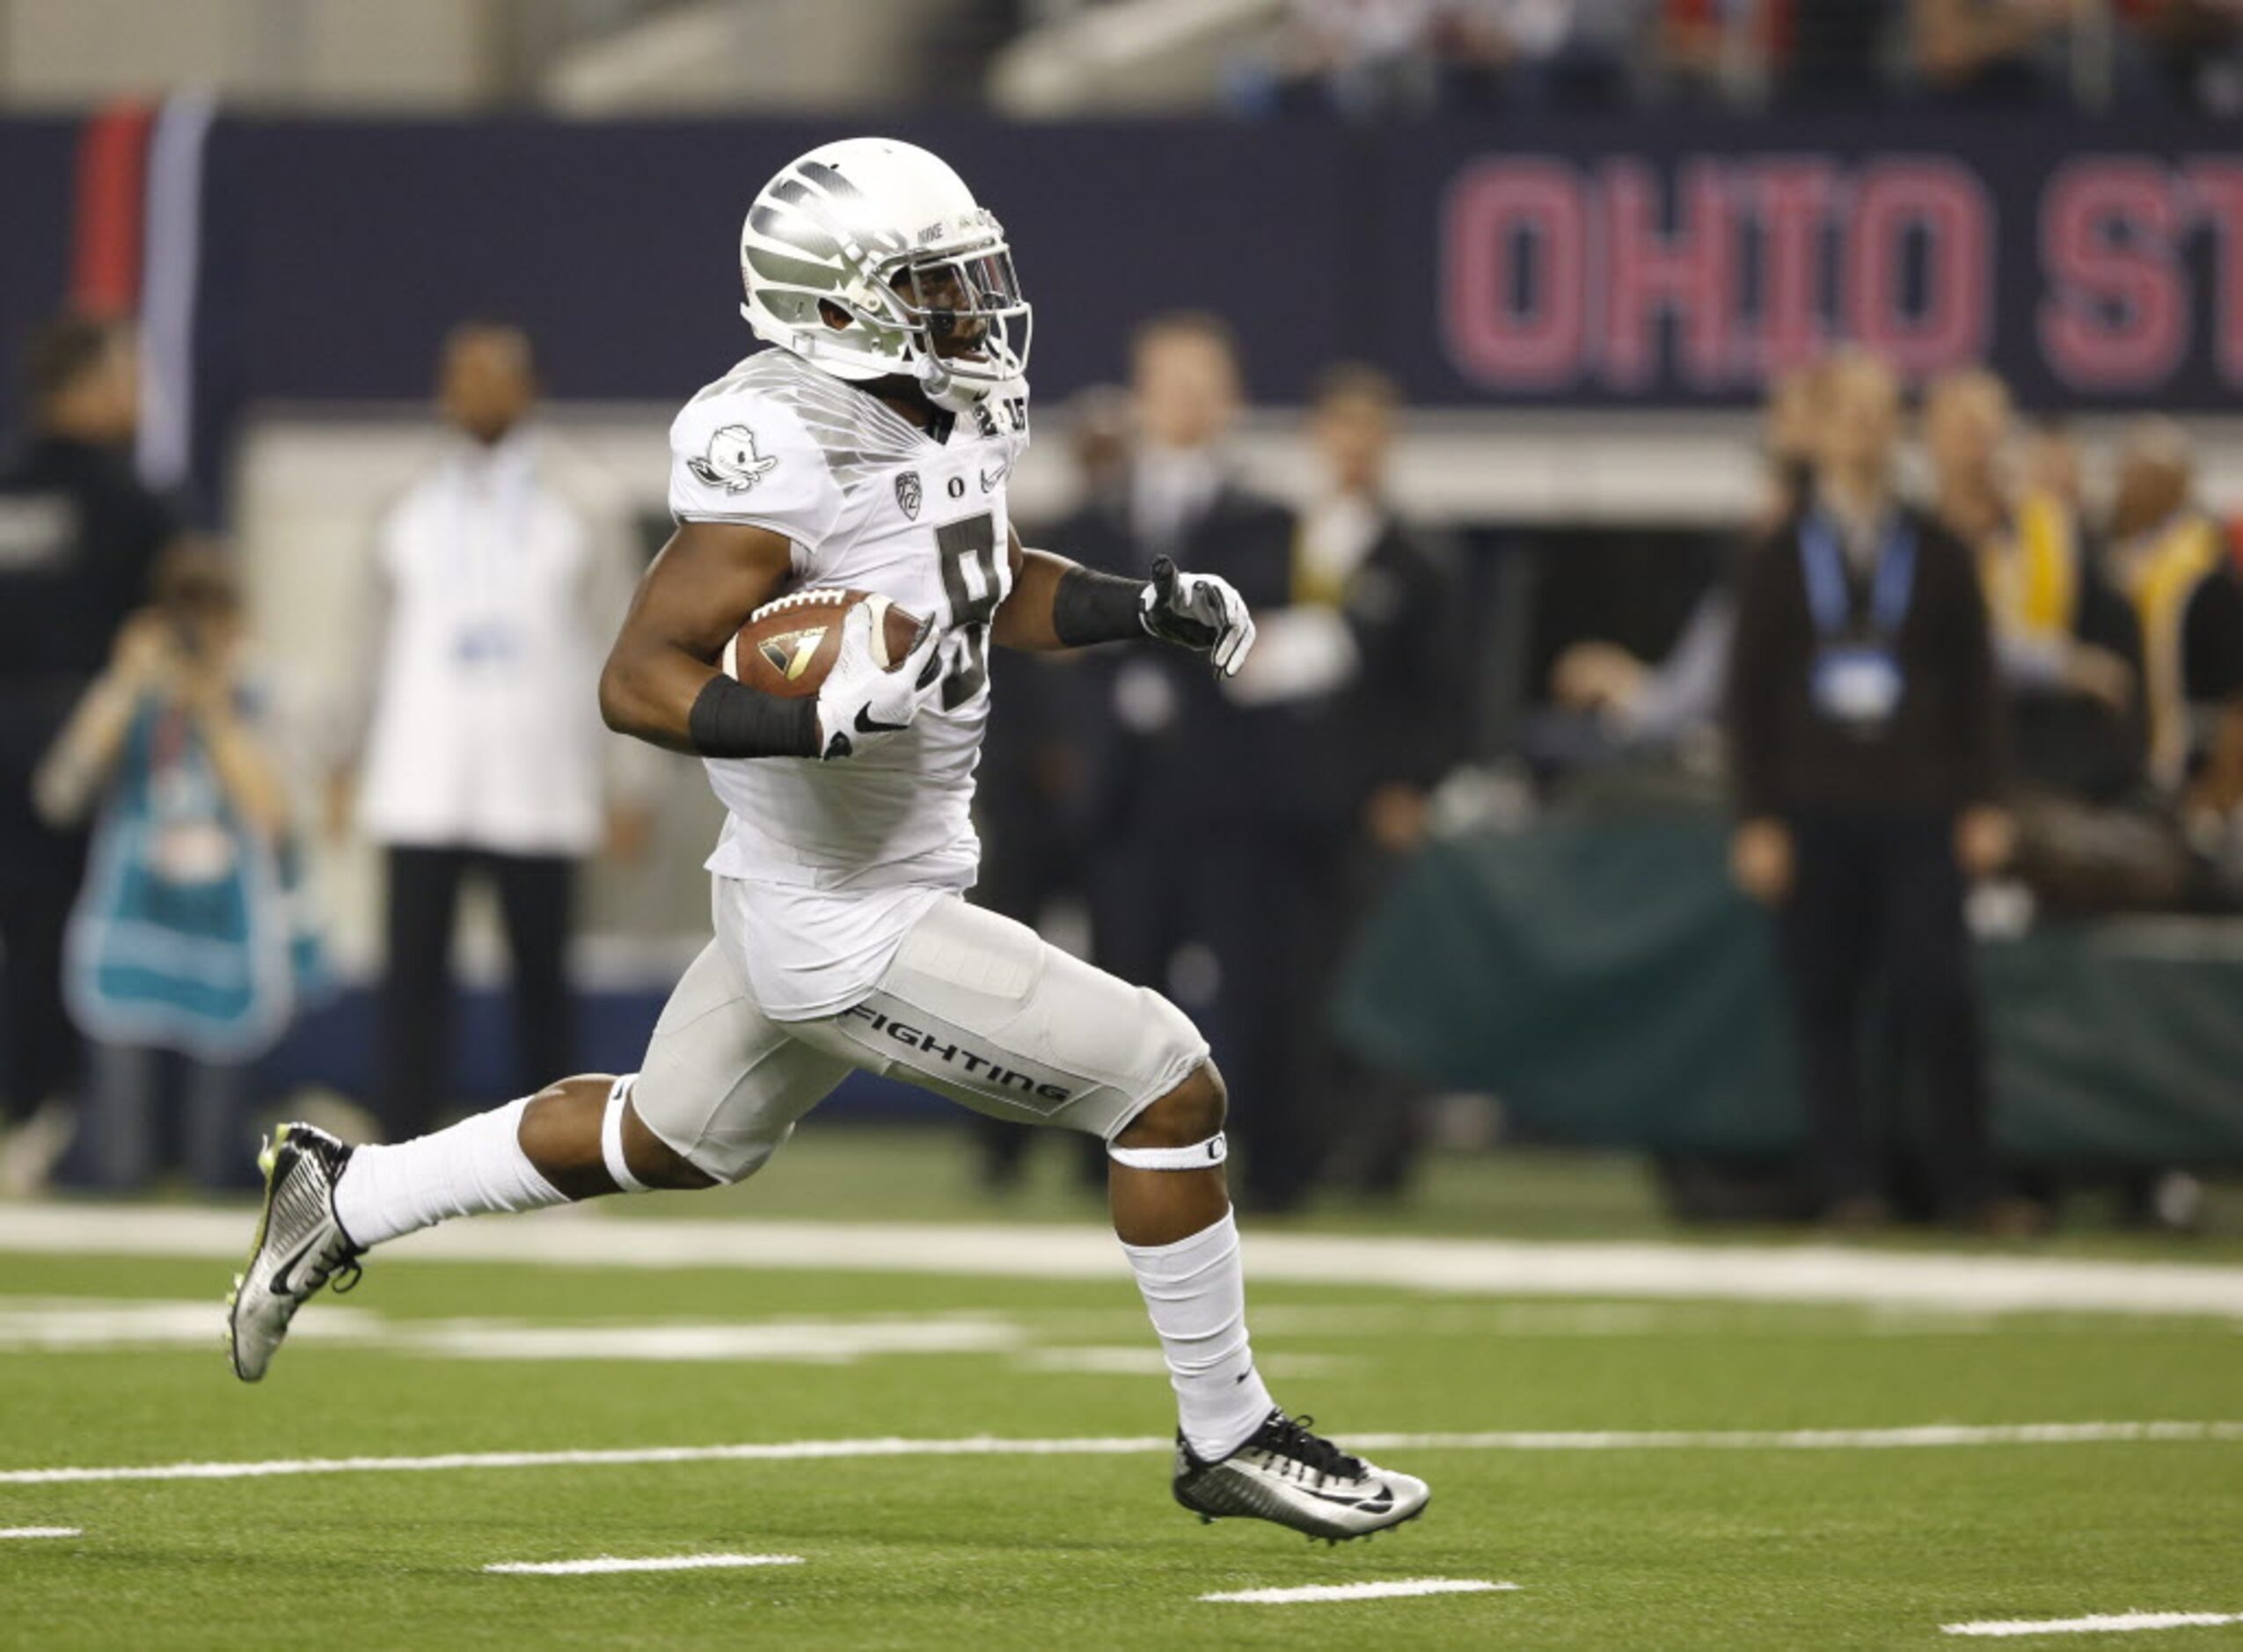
1605,981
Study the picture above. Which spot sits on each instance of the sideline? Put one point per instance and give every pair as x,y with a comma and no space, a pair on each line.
2114,1623
1972,1282
1927,1437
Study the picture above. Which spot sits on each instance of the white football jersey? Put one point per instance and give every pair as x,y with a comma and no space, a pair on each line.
843,855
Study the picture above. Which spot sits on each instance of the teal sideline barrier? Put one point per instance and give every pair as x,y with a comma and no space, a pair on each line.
1608,983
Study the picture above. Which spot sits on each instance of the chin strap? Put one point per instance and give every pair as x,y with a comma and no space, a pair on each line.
1199,1156
612,1137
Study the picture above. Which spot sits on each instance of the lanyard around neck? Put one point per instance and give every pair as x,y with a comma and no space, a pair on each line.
1822,560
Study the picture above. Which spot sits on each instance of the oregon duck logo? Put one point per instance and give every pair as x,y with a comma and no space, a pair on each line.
732,461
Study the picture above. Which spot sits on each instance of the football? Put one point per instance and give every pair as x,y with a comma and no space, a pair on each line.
787,645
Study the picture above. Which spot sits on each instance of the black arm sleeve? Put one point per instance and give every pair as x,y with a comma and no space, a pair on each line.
731,719
1091,607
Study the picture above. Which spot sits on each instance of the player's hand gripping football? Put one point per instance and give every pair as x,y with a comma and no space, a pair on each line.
1198,611
862,703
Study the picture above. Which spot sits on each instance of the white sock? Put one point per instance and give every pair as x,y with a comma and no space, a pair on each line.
475,1166
1195,1291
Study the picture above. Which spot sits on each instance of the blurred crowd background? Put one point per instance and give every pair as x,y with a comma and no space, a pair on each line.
1750,588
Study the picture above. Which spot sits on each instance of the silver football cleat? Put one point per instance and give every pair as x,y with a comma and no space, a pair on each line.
300,1245
1287,1474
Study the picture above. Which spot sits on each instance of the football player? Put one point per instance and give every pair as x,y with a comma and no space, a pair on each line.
869,449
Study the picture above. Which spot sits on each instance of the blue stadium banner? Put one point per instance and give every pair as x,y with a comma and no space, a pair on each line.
2095,267
1640,261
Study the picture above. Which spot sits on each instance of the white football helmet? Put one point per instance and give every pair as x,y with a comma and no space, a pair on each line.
891,236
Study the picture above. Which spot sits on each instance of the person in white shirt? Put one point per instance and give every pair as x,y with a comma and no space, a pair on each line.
869,450
478,750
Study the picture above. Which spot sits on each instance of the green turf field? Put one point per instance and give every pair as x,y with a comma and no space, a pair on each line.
1684,1541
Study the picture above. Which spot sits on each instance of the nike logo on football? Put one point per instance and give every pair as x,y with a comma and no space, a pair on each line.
868,724
990,479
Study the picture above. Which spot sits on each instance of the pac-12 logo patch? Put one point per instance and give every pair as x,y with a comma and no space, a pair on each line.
732,461
908,494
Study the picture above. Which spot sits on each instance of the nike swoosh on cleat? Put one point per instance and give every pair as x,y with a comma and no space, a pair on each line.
867,724
282,1282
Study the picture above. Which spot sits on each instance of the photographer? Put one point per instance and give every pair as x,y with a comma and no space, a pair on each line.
180,944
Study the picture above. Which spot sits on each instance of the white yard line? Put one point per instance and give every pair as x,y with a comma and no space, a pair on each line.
2116,1623
1362,1591
42,1531
1972,1281
1929,1436
656,1563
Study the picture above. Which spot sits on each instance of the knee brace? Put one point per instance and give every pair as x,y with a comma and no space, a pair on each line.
611,1136
1199,1156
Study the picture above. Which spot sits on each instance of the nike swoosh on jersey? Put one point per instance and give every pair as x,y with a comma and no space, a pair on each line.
990,479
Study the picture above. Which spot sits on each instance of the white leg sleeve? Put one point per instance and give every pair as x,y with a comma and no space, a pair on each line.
474,1167
1195,1290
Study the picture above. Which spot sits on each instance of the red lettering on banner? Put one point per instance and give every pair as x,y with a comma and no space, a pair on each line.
1793,199
1510,328
1689,272
1948,209
2117,315
2218,188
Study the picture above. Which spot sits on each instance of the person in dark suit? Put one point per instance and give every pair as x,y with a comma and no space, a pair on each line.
1196,866
79,536
1385,594
1863,720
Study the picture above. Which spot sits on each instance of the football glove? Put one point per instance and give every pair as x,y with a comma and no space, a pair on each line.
1198,611
860,703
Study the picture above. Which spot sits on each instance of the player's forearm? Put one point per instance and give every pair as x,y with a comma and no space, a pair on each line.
669,698
1057,603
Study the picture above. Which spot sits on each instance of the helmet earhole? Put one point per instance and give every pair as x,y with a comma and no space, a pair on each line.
832,314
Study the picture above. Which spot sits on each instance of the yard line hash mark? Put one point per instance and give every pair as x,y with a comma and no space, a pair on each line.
1401,1586
1929,1436
42,1531
651,1564
2112,1623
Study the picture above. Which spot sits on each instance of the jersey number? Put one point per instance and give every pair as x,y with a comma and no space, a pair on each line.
972,542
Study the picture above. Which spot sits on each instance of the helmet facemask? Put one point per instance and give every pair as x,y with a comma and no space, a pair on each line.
966,326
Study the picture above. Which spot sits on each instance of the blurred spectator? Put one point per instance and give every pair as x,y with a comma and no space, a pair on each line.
2195,51
183,941
78,535
1200,870
493,599
1993,52
1664,710
1387,600
2051,465
1862,718
1372,60
2066,643
2166,556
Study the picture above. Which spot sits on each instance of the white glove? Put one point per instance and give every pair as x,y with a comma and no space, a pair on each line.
1199,611
861,703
